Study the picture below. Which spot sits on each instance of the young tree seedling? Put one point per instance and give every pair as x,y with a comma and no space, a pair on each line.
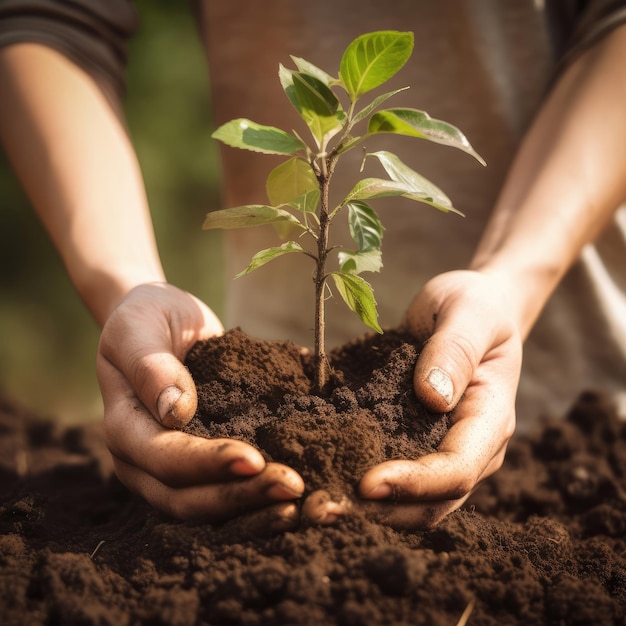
298,189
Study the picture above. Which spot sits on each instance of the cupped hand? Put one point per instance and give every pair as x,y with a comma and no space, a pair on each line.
469,366
147,391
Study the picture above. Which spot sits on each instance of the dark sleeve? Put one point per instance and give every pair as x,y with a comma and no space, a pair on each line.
93,34
577,24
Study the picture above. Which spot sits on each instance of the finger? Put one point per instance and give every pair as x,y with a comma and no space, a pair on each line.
173,457
319,508
147,342
449,359
459,343
408,515
268,520
473,449
157,376
216,502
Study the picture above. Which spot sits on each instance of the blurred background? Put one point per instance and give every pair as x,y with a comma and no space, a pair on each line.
47,340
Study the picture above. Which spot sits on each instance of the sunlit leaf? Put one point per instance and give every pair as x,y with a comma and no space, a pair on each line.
415,123
365,226
374,104
371,188
402,173
269,254
372,59
359,296
308,68
307,202
315,102
248,135
289,181
285,76
248,215
349,144
364,261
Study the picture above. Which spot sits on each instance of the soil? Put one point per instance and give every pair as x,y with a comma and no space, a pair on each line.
542,542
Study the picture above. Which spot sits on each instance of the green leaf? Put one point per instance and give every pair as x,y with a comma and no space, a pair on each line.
265,256
290,180
414,123
285,76
307,202
315,102
371,188
419,185
365,227
361,115
348,144
362,261
359,296
248,135
372,59
307,67
248,215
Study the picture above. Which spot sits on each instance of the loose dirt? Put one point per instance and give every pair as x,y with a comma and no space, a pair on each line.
543,542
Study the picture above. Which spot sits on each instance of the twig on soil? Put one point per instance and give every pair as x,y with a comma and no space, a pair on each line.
97,549
466,614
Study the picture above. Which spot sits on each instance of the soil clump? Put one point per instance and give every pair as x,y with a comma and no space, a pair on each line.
543,542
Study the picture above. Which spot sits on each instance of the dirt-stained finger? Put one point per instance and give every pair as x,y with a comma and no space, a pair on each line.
320,509
213,502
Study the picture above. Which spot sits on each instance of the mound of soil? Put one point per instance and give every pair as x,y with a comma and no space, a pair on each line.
261,392
543,542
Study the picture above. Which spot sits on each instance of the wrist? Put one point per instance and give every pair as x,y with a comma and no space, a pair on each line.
525,287
102,290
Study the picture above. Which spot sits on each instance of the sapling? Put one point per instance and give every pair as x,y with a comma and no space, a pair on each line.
298,189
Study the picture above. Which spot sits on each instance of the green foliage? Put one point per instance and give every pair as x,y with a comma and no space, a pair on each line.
242,133
327,105
372,59
358,295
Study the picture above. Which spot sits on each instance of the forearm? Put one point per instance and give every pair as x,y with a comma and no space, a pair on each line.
565,183
75,162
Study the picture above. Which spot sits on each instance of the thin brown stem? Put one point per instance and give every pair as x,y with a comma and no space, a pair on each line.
321,362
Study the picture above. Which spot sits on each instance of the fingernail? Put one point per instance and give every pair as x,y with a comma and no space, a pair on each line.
441,383
167,403
380,492
243,467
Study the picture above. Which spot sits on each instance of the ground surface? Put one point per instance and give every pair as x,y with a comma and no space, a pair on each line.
542,542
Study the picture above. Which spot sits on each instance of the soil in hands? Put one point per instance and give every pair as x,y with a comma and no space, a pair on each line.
541,543
261,392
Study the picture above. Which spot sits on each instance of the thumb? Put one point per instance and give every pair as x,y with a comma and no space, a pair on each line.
145,339
446,366
157,377
166,388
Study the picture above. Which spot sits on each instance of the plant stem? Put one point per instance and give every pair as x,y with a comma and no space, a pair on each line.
321,362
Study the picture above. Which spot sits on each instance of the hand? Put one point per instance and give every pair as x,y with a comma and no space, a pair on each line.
470,365
147,391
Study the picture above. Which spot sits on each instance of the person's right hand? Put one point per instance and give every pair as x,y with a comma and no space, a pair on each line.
147,392
470,367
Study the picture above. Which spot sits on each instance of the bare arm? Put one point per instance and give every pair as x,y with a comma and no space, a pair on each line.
73,157
566,182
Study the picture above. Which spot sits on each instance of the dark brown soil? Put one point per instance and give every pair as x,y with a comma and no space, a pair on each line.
261,392
541,543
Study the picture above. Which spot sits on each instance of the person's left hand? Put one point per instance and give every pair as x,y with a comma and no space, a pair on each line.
147,391
470,367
